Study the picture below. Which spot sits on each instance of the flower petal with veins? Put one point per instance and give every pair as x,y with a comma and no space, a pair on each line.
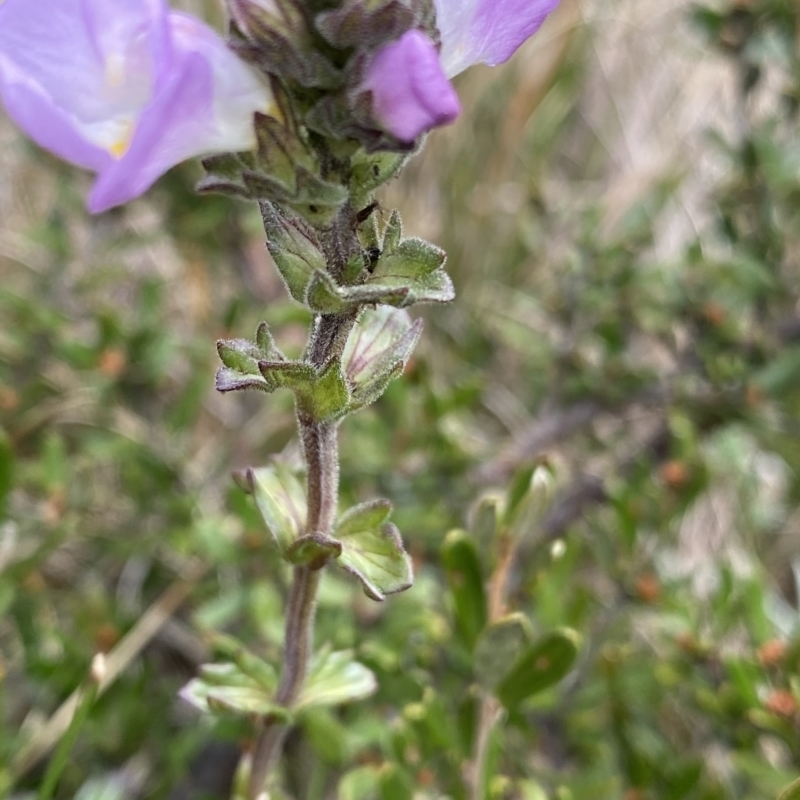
124,88
486,31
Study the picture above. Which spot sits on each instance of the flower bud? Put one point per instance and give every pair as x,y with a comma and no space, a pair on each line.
410,92
274,36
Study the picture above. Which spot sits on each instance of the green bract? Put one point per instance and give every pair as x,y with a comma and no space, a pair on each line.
372,549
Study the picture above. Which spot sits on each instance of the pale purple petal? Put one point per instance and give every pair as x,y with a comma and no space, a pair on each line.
160,138
110,22
486,31
204,104
47,125
123,87
86,67
410,93
238,93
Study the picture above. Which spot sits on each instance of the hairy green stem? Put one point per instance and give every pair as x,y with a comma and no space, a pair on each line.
490,711
327,341
299,636
320,447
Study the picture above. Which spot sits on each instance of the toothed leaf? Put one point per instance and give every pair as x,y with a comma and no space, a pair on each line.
372,549
314,549
334,679
292,247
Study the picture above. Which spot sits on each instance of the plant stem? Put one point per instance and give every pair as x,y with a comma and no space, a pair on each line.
298,638
61,755
490,712
321,450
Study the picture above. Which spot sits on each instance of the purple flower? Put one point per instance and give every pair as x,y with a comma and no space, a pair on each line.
124,88
410,93
486,31
408,78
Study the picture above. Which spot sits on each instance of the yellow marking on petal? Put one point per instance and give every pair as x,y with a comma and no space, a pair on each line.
120,146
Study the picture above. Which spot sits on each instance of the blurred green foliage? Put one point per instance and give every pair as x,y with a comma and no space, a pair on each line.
664,393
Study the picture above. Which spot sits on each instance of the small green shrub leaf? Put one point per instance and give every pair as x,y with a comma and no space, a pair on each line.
465,579
498,647
543,664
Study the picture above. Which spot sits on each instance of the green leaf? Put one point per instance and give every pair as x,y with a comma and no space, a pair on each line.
325,297
228,688
227,674
358,784
529,499
292,245
541,666
329,397
394,783
250,665
498,647
487,515
408,273
295,375
372,549
414,265
517,491
240,700
392,233
323,395
371,170
226,165
281,500
377,352
213,185
333,679
314,549
6,471
791,792
229,380
308,193
280,151
239,355
241,358
224,176
465,579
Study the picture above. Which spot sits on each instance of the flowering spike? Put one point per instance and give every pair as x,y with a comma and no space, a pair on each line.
124,88
273,35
